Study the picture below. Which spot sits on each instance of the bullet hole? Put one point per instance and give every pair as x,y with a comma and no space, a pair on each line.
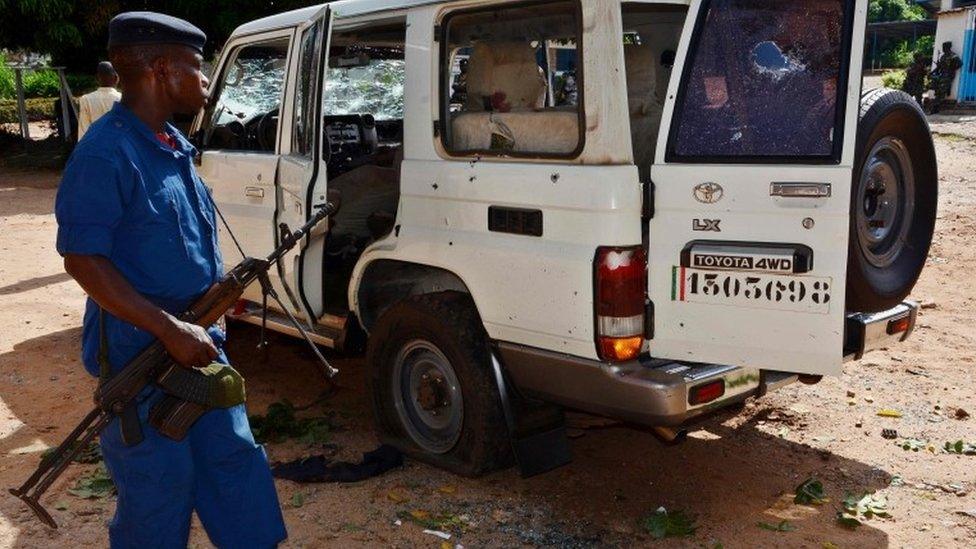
472,178
450,243
396,231
554,177
434,186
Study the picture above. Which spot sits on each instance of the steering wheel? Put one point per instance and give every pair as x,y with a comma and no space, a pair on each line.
265,130
232,135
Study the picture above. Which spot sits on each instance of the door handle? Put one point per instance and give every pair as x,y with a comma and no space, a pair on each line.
254,192
800,190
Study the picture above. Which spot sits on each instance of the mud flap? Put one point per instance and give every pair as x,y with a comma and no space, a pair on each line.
537,430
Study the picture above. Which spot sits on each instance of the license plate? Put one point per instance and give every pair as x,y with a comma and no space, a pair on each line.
809,294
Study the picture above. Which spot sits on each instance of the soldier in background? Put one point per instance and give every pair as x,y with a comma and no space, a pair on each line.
944,74
916,76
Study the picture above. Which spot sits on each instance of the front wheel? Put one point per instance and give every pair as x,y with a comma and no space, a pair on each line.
893,201
434,396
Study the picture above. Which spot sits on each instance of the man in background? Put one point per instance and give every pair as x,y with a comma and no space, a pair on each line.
93,105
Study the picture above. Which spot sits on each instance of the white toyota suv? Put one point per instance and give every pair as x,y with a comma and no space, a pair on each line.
648,210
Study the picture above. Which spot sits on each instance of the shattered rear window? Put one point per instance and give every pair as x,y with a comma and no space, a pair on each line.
764,80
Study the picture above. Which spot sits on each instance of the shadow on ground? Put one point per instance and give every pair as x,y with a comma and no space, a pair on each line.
618,475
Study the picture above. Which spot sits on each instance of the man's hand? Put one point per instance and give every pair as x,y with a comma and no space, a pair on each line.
188,344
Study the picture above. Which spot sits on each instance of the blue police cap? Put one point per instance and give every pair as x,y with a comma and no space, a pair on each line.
146,27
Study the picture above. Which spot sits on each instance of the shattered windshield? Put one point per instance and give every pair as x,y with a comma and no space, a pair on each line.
376,88
252,86
763,80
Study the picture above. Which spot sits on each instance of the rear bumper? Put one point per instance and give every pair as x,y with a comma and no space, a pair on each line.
655,391
649,392
865,332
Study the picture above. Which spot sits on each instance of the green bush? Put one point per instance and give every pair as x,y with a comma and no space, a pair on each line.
7,86
893,79
901,54
43,83
37,109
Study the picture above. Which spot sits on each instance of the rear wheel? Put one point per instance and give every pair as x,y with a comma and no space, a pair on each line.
434,396
893,201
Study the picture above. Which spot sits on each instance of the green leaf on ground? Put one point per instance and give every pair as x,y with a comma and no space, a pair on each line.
665,524
297,499
96,484
280,424
782,526
961,447
860,507
913,444
810,492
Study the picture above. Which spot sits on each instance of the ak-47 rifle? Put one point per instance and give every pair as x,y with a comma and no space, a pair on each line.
119,392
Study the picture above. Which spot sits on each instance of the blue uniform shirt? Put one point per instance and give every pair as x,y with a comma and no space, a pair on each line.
127,196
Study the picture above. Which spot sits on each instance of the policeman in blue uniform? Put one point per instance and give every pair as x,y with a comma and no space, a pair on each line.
137,231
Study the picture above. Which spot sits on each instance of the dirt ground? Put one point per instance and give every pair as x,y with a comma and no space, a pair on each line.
733,473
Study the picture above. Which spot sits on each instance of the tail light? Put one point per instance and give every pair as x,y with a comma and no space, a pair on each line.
620,288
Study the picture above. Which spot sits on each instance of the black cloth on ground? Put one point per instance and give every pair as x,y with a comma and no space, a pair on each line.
320,469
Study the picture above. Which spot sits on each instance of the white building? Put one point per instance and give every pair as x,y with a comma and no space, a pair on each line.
956,25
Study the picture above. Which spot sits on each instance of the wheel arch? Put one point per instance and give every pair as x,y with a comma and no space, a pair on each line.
382,282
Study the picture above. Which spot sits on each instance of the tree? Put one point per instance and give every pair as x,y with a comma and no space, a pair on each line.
75,32
895,10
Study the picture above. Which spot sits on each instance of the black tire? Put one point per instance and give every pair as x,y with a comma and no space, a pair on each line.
449,323
890,230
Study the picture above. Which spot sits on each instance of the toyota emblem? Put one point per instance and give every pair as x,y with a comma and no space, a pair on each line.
708,193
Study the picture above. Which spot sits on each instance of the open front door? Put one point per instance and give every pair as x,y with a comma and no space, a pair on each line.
301,178
752,185
240,141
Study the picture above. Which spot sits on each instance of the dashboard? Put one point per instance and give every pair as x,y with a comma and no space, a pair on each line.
356,139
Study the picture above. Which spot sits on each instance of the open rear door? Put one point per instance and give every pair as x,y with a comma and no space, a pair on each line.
301,178
752,185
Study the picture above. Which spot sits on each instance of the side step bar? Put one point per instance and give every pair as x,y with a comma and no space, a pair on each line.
329,331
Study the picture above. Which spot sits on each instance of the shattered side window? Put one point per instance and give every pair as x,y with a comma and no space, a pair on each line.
513,84
762,81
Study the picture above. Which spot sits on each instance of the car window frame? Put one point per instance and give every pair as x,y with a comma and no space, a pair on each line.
314,95
442,26
843,78
239,43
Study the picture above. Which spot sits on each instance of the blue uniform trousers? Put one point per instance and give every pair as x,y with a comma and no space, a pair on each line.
217,470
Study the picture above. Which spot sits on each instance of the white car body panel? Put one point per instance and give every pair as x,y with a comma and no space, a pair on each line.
538,291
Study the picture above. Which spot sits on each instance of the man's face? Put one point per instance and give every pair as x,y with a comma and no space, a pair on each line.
184,81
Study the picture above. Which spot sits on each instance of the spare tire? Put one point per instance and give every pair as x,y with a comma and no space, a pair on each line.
893,201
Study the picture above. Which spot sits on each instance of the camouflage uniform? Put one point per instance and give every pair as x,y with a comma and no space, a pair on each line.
915,77
945,73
